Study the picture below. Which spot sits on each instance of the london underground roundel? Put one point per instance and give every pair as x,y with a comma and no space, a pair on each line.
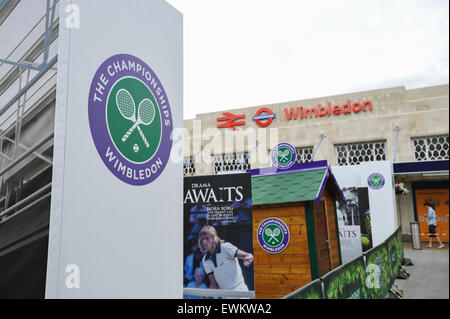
263,120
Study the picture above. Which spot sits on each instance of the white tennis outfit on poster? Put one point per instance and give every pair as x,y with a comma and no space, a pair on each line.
226,268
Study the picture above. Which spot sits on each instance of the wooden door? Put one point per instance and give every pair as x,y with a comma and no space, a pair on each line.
277,275
440,199
322,242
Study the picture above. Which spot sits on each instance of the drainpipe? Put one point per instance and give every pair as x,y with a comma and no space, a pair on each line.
242,162
318,145
397,130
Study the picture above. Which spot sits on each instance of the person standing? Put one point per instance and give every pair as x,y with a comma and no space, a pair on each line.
197,283
432,225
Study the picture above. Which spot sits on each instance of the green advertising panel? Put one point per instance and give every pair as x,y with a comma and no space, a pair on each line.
378,272
347,281
400,246
313,290
395,256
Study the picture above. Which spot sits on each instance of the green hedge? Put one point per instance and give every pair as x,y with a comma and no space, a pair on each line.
395,251
346,281
354,279
313,290
377,259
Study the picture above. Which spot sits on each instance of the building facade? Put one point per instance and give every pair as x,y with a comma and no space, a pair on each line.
407,127
395,124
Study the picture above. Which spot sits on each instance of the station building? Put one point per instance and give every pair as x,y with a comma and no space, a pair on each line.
408,127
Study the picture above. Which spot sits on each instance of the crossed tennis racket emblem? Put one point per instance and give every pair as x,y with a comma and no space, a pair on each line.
376,181
283,155
127,108
272,234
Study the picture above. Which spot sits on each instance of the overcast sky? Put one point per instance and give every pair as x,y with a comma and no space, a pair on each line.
243,53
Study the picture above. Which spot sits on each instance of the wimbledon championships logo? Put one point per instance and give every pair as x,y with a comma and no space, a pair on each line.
130,119
273,235
283,155
376,181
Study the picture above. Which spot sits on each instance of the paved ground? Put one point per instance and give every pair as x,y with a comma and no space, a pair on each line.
429,275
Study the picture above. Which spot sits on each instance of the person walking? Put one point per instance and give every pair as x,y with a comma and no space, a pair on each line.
432,225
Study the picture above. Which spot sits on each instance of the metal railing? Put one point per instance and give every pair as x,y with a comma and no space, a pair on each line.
42,46
4,214
219,293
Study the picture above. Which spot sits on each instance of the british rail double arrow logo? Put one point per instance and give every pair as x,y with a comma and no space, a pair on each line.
230,120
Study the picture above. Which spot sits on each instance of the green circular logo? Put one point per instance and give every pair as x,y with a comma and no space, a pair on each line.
376,181
133,120
284,155
273,235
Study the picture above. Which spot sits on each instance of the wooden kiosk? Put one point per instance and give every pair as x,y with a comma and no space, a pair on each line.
303,197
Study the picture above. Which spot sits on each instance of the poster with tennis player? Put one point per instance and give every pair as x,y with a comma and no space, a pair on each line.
353,216
218,243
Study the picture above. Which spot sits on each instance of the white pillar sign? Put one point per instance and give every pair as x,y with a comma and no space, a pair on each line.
114,233
379,178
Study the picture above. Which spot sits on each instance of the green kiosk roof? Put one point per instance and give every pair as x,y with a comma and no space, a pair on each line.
296,186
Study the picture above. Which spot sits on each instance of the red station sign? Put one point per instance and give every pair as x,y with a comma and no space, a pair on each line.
230,120
302,113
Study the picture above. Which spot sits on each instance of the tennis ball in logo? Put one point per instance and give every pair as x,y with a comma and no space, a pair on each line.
273,235
133,120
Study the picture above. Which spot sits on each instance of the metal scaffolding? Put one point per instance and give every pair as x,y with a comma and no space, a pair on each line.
18,151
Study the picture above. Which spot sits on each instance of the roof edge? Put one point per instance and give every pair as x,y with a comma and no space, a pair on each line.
300,167
323,184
